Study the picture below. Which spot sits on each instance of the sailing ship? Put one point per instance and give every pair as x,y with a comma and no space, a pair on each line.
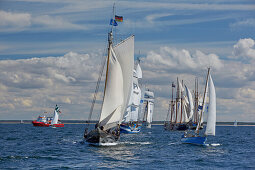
180,110
130,121
149,107
49,121
196,138
198,100
235,123
118,84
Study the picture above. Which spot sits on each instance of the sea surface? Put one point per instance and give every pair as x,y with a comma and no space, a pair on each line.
23,146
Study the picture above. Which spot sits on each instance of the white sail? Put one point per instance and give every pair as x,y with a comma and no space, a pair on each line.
211,118
190,103
134,102
141,108
139,73
235,123
149,112
201,113
148,95
55,117
114,95
125,53
136,96
179,89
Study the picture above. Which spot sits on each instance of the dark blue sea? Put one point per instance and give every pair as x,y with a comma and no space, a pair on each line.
23,146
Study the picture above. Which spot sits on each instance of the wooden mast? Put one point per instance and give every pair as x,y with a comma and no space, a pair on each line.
198,127
110,39
172,102
181,104
176,100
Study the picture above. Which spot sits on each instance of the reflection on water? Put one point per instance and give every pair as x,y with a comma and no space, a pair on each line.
117,156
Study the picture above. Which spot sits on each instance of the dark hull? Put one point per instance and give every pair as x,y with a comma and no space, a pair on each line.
101,138
176,127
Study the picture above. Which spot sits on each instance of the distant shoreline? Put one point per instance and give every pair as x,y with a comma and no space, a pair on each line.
93,122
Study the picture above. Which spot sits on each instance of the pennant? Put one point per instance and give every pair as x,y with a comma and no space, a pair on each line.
113,22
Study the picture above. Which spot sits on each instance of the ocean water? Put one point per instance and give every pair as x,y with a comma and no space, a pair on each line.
23,146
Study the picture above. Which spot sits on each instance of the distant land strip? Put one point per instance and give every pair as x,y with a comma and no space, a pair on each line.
95,121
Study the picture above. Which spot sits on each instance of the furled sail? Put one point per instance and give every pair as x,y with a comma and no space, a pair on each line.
125,54
211,118
112,106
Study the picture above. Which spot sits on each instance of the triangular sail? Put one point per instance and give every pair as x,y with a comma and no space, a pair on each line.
139,73
201,113
211,119
55,117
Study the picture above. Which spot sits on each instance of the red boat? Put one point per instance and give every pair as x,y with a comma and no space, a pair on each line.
49,121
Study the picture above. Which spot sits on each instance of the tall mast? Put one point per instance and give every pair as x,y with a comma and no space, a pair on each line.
198,127
110,42
176,100
181,104
172,102
196,102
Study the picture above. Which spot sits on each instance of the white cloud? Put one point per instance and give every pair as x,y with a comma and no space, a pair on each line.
57,22
250,22
10,22
37,84
153,17
244,48
14,21
33,85
182,60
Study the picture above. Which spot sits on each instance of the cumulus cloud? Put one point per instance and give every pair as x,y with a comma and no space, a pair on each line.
37,84
33,85
182,60
244,48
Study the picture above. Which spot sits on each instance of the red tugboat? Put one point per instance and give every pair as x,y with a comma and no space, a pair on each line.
49,121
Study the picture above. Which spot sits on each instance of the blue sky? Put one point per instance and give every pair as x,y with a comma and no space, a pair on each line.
50,52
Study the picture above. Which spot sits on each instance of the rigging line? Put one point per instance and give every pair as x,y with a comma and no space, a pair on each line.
96,91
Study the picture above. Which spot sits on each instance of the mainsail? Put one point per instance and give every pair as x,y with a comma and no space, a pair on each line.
125,53
55,117
149,99
190,108
114,95
135,97
211,119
